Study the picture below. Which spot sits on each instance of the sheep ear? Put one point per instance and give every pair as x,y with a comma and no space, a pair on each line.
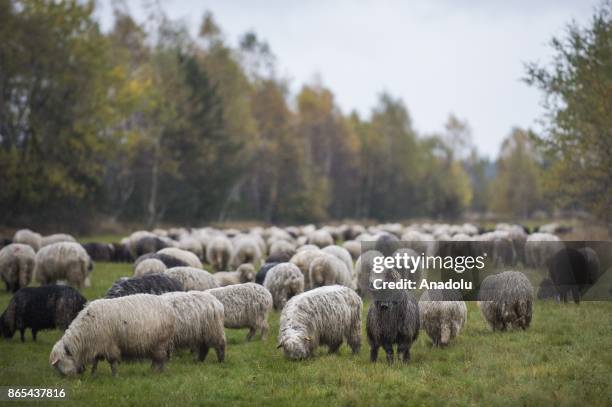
308,338
55,361
280,345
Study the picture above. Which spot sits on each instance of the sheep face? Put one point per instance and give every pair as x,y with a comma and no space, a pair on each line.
247,273
296,346
64,362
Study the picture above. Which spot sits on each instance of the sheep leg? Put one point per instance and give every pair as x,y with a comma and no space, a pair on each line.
251,334
94,366
203,352
264,330
389,351
404,349
355,344
113,366
374,353
34,332
220,350
333,348
22,333
576,295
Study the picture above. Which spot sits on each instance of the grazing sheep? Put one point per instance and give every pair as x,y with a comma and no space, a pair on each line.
320,238
16,265
284,281
386,243
442,313
353,247
302,260
306,247
593,264
149,266
246,306
547,290
569,271
147,284
393,320
218,252
148,244
261,274
26,236
506,299
169,261
282,251
540,248
322,316
134,327
244,274
246,250
99,251
63,261
121,253
56,238
199,323
329,270
191,245
39,308
182,255
342,254
192,278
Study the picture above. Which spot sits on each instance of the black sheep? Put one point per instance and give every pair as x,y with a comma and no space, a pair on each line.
99,251
149,284
121,253
38,308
547,290
569,271
149,244
261,274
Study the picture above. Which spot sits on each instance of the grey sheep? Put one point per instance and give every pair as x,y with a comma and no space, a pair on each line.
322,316
302,260
244,274
63,261
192,278
17,265
284,281
506,299
133,327
442,314
199,323
245,306
393,319
320,238
246,250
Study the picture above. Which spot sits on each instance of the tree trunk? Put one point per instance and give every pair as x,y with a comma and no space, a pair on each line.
152,205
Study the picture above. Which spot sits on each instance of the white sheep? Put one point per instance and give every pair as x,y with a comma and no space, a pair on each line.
26,236
443,315
244,274
329,270
343,255
185,256
302,260
199,322
132,327
192,278
320,238
245,306
56,238
149,266
246,250
353,247
218,252
322,316
284,281
63,261
17,265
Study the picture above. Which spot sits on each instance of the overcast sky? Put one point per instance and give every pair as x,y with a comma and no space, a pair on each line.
459,56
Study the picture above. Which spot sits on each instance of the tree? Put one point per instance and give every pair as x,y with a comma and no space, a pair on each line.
517,186
578,99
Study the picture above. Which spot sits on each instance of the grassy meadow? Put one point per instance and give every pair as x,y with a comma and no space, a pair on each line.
563,359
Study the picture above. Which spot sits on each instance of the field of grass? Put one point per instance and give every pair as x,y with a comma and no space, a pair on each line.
565,358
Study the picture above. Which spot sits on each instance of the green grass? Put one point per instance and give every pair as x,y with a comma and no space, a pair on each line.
563,359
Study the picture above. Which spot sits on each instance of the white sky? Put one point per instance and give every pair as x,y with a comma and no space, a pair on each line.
443,56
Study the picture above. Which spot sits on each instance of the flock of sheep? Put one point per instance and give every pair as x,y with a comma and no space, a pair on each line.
172,302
